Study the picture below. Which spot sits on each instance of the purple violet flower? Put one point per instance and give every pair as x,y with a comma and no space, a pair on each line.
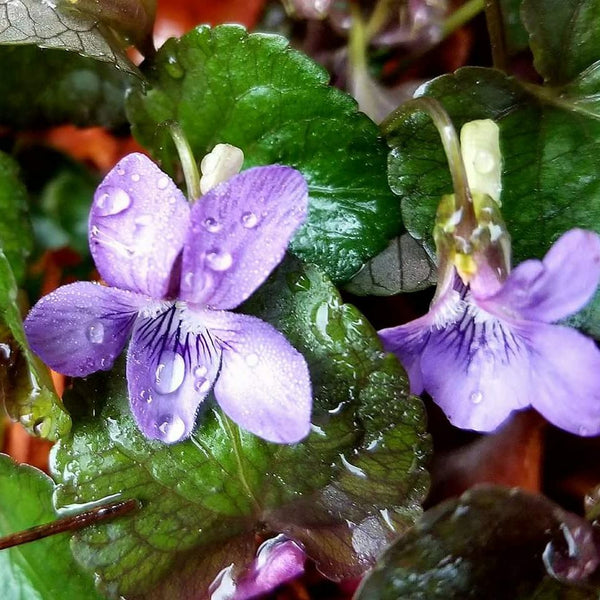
277,561
174,273
488,347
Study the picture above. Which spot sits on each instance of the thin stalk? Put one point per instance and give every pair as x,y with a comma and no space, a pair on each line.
74,523
462,15
378,18
188,163
495,26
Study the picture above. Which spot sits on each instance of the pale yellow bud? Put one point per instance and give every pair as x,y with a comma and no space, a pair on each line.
223,162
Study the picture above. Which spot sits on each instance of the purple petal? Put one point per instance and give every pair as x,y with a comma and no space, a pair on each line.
82,327
172,364
264,384
565,369
407,342
554,288
278,560
138,224
477,370
239,234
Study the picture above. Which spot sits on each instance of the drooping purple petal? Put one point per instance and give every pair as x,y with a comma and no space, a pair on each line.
565,370
82,327
239,233
172,363
554,288
264,384
278,561
138,223
477,370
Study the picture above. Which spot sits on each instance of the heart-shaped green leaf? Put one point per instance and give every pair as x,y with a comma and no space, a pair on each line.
490,543
549,174
44,569
224,86
343,493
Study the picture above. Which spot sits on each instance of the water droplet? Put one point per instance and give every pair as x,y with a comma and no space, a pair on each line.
4,352
113,203
252,360
172,428
219,261
188,279
146,396
170,373
212,225
121,171
249,220
143,220
135,177
202,385
41,427
94,231
476,397
200,371
95,333
174,69
163,182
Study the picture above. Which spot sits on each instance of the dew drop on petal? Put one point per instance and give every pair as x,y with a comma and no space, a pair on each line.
95,333
163,182
113,203
249,220
135,177
212,225
252,360
200,371
172,428
146,396
476,397
143,220
170,373
219,261
188,279
121,171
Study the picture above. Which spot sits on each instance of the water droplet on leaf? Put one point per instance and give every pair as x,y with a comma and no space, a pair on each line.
219,261
170,373
113,203
174,69
172,428
249,220
95,333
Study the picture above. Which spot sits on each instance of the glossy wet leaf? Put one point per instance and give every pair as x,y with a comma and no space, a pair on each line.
515,34
492,542
563,36
342,493
41,570
61,26
253,91
15,229
60,87
549,174
25,384
404,266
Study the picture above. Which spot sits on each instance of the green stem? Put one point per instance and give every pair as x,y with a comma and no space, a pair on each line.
188,163
357,42
450,142
378,18
461,15
495,26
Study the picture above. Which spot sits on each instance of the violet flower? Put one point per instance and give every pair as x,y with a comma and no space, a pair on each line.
174,272
278,560
487,346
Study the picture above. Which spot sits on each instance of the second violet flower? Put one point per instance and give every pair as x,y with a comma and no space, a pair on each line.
173,275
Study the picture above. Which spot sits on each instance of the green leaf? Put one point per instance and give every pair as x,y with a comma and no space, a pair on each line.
549,175
253,91
343,493
515,34
45,569
491,543
404,266
63,27
15,229
60,87
25,385
563,36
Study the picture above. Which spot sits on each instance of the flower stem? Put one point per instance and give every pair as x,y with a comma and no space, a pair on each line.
450,142
188,163
463,14
495,26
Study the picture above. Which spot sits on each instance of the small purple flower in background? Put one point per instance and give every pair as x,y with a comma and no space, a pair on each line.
487,346
277,561
174,272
